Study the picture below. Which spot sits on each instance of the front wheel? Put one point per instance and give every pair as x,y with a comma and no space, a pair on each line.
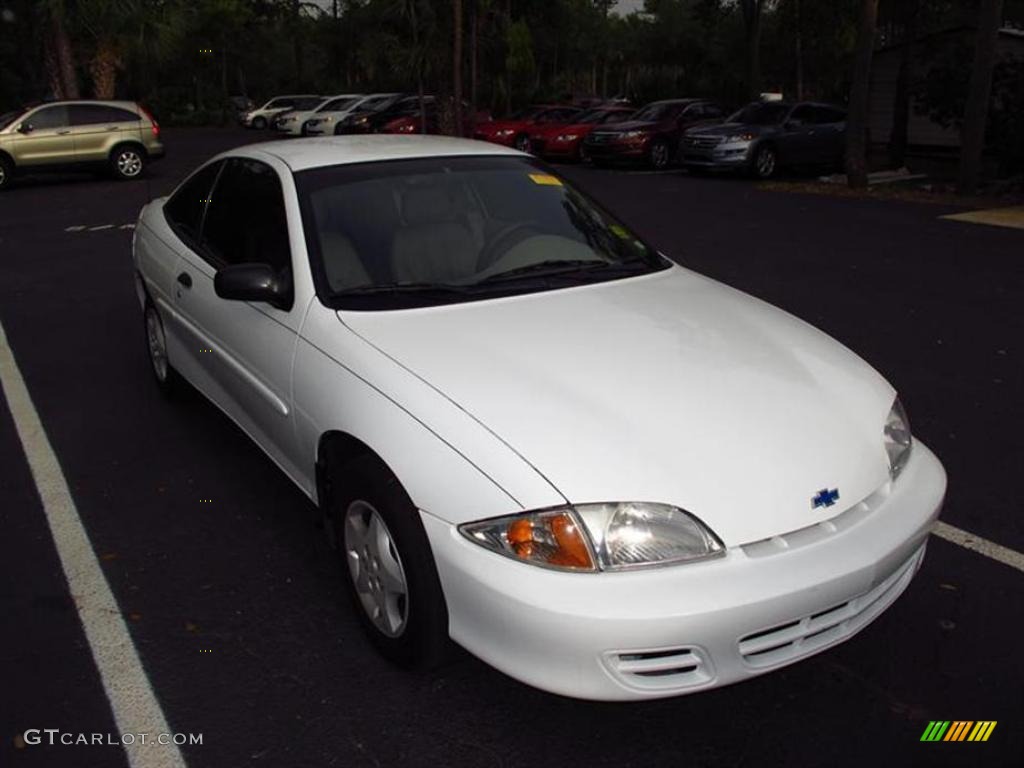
6,173
522,143
156,344
766,162
388,565
127,162
660,155
259,123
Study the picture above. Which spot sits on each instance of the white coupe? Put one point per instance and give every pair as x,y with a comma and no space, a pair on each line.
600,472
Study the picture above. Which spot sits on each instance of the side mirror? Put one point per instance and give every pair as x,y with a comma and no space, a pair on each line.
253,282
25,128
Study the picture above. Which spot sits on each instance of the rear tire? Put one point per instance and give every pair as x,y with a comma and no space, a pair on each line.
6,173
127,162
167,379
387,564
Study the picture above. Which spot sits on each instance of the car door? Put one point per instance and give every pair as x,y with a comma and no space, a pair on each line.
797,141
97,128
831,134
244,349
44,137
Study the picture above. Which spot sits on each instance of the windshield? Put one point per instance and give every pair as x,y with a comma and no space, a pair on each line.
761,114
302,105
338,104
654,112
525,114
414,233
9,117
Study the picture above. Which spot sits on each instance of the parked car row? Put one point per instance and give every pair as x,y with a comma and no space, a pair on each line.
305,115
698,134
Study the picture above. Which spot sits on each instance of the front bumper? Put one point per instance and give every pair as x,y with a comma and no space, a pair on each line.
720,157
675,630
505,141
289,129
618,150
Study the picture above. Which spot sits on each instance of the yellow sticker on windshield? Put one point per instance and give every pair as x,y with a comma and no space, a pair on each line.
545,179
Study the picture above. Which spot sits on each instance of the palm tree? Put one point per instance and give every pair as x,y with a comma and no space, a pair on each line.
857,117
58,54
976,112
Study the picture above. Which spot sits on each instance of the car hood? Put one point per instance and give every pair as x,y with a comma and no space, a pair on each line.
631,125
729,129
668,387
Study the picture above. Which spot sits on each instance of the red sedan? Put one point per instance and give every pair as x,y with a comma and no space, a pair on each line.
565,142
515,130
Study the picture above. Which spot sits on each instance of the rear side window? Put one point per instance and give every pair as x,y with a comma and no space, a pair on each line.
184,211
99,114
49,117
245,218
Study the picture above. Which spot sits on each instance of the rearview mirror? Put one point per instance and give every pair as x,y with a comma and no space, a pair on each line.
253,282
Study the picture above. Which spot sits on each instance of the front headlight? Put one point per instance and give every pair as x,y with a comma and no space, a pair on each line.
633,134
898,440
505,132
740,137
566,137
598,537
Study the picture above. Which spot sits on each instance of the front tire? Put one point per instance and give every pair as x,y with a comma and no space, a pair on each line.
659,155
259,123
167,379
522,143
388,565
766,162
6,173
127,162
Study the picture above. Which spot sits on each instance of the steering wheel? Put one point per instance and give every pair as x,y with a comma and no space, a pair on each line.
504,239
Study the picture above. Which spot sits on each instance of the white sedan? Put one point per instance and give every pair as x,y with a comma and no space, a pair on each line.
296,122
600,472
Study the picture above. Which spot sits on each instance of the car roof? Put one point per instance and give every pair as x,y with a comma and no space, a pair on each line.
90,102
347,150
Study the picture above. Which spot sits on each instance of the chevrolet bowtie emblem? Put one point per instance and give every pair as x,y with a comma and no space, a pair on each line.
825,498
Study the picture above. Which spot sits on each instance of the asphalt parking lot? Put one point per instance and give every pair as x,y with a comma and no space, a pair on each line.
235,605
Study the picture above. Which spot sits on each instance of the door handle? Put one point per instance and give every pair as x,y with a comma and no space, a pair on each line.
111,127
185,279
64,132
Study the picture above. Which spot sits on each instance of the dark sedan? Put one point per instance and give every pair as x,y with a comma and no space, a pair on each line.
653,133
763,137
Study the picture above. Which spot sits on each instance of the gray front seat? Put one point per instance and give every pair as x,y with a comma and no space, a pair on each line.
433,246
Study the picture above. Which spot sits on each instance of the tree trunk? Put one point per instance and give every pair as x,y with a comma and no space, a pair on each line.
752,19
972,135
901,99
857,117
799,54
60,61
103,69
474,35
457,65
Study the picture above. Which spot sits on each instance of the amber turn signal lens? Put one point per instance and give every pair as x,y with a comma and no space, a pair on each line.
556,540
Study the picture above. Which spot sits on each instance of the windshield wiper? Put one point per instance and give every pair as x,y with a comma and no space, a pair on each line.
549,268
372,290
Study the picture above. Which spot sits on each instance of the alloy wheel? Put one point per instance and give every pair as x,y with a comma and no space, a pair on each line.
129,163
659,155
765,162
376,569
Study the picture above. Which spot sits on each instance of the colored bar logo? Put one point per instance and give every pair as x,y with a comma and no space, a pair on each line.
958,730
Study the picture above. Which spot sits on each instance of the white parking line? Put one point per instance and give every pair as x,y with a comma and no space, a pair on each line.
76,228
128,689
101,226
989,549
